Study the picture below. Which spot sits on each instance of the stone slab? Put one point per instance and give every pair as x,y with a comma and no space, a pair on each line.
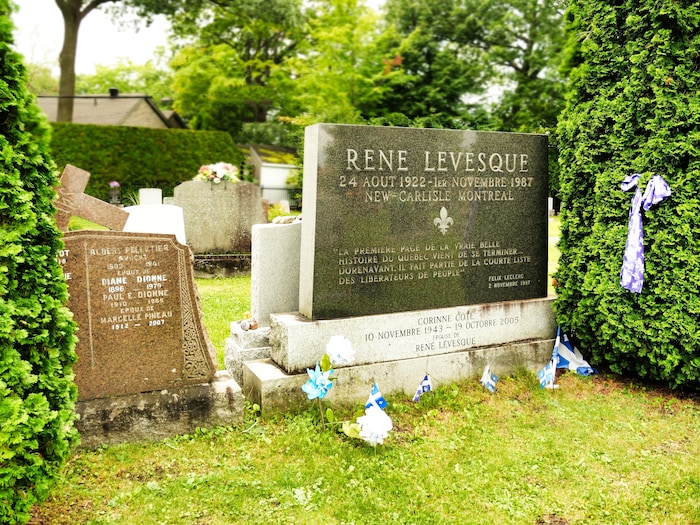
399,219
274,279
275,391
298,343
244,346
152,416
138,312
156,218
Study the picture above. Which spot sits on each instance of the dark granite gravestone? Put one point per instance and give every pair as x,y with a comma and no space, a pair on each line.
138,313
399,219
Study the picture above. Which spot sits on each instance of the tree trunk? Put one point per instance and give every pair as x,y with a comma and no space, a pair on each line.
72,16
66,60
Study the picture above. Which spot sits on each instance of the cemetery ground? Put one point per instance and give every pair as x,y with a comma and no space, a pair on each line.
597,450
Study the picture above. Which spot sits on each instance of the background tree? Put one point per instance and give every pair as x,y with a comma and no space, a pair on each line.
632,108
75,11
37,342
334,75
522,42
41,80
232,70
151,78
432,72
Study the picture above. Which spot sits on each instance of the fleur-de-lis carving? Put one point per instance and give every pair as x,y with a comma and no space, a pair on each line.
443,222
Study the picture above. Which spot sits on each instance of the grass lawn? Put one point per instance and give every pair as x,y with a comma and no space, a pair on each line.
224,300
596,451
599,450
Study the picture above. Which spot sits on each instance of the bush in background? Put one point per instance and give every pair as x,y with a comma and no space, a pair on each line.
632,108
139,157
37,342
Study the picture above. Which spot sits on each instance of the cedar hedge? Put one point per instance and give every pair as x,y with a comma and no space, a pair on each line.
37,341
139,157
633,107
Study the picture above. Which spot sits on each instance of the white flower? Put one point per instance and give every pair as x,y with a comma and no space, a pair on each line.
340,350
218,172
374,425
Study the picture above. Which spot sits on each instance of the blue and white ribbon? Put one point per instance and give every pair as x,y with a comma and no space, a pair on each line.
632,273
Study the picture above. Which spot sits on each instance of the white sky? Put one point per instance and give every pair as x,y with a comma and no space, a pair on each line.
39,37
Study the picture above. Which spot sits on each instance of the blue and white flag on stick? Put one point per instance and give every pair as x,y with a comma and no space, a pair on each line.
376,398
568,356
489,379
547,374
425,386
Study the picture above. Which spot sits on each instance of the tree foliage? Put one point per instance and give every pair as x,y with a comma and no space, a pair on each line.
149,78
435,71
37,394
335,73
633,108
231,70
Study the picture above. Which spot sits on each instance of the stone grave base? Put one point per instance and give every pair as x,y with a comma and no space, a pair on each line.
243,346
275,391
151,416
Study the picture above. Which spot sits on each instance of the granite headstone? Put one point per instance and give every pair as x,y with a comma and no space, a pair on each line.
219,217
138,313
400,219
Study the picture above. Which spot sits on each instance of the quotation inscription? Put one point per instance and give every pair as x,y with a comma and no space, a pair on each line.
430,261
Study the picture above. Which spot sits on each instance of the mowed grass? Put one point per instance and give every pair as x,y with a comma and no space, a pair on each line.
596,451
224,300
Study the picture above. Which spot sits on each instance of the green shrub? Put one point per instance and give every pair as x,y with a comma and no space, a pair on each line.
633,107
139,157
37,394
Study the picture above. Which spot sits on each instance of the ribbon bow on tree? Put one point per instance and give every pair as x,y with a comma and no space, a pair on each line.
632,274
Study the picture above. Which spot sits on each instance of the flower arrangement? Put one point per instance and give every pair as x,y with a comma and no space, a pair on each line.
221,171
374,426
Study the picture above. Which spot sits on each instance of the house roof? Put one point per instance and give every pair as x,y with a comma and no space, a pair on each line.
114,109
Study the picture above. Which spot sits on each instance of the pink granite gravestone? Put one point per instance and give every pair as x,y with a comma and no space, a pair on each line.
136,305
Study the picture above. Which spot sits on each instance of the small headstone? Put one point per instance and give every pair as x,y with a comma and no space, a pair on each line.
400,219
219,217
148,196
152,216
136,305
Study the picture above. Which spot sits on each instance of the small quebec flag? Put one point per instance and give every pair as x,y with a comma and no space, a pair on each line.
568,356
547,374
489,379
425,386
376,398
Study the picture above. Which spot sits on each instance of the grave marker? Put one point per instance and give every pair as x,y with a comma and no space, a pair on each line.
72,201
134,298
399,219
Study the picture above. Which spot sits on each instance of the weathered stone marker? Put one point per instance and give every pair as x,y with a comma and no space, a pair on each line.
400,219
219,217
134,299
72,201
